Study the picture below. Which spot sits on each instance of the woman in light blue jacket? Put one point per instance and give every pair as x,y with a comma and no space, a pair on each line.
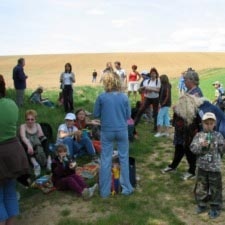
113,109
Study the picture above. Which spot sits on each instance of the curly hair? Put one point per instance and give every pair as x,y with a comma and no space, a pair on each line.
187,107
111,82
2,86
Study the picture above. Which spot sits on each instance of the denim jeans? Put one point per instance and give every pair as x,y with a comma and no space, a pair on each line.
9,206
107,141
79,148
163,118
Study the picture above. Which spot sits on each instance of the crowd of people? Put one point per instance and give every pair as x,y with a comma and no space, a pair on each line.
199,132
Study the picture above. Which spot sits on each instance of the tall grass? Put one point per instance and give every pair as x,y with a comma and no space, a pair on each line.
158,199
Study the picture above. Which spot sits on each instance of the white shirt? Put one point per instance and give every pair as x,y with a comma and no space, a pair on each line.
121,73
149,83
67,78
63,127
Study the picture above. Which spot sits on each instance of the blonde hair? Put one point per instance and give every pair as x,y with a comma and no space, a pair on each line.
31,112
187,107
111,82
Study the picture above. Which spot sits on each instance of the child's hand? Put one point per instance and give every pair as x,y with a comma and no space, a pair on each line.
77,135
72,165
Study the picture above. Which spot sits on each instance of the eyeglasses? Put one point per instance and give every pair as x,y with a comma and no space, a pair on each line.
30,119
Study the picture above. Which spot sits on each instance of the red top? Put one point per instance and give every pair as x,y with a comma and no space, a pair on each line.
133,76
80,124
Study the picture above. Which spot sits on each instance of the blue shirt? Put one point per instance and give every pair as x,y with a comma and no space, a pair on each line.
113,109
19,77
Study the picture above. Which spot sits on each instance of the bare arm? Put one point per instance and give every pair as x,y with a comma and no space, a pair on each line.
25,140
40,132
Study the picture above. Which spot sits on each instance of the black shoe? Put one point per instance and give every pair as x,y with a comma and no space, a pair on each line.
201,209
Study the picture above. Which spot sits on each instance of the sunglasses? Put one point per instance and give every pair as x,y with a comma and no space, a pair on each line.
30,119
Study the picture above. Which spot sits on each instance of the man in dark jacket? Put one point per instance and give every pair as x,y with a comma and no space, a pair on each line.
19,78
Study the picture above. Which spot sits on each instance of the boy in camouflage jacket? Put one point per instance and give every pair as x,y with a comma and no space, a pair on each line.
209,146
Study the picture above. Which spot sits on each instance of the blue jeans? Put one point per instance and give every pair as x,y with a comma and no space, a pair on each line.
107,141
79,148
163,118
9,206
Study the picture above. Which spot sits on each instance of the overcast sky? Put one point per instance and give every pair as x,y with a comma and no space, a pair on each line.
89,26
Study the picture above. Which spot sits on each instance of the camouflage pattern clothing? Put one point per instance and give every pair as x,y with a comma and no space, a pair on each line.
208,187
208,158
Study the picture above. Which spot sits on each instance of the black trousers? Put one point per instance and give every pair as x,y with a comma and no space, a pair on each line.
68,98
180,151
147,102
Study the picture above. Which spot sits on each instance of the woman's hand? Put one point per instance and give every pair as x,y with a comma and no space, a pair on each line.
30,150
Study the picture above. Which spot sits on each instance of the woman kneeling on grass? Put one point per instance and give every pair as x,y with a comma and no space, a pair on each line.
64,176
113,109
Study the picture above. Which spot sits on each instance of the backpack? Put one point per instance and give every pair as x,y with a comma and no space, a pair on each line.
47,130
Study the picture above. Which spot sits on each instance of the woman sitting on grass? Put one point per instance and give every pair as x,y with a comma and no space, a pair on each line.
35,142
83,121
37,98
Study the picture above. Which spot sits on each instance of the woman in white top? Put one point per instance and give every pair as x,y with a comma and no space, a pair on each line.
67,79
151,88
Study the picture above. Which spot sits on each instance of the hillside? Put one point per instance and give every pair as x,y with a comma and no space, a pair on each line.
45,69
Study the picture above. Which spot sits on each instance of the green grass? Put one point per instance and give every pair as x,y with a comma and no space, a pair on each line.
158,199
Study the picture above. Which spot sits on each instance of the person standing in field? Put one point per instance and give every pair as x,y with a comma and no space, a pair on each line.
163,118
122,74
186,125
209,146
151,88
219,95
13,160
133,84
109,68
94,76
19,78
67,78
113,109
181,85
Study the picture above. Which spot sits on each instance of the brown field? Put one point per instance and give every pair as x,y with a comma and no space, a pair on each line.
45,70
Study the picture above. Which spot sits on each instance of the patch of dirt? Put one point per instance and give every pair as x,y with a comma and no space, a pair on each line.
49,212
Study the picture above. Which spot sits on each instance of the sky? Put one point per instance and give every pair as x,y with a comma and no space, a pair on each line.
101,26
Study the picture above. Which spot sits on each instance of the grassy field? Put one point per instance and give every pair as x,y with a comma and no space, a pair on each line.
44,70
158,199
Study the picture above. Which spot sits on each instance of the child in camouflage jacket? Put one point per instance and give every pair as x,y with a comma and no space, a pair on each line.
209,146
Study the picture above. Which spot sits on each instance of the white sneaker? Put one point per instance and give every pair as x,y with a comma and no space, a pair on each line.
37,170
167,170
165,134
89,192
188,176
92,190
85,193
158,134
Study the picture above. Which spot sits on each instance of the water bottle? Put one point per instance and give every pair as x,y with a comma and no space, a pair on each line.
209,138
